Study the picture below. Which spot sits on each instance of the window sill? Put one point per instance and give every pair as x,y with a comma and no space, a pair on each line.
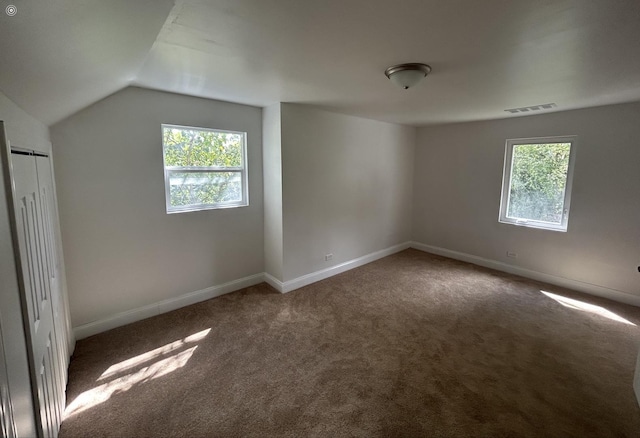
207,207
533,224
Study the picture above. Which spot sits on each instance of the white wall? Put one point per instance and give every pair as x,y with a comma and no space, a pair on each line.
458,174
121,248
272,171
22,130
347,185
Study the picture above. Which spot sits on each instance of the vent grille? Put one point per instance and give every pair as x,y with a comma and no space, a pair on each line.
526,109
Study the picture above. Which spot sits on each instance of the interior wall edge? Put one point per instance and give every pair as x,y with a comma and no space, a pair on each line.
274,282
140,313
588,288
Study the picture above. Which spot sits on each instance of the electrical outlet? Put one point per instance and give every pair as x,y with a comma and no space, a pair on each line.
328,257
512,255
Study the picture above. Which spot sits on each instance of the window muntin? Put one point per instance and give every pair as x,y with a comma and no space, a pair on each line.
203,168
536,183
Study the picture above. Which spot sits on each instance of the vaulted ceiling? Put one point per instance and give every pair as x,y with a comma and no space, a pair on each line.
59,56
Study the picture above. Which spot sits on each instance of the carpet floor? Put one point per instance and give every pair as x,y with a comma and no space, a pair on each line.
412,345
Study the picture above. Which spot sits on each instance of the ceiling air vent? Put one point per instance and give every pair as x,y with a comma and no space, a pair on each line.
526,109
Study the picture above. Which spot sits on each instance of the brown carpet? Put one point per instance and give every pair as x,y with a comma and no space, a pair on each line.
411,345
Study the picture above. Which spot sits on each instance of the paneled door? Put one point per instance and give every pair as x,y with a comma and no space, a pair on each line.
7,425
48,214
36,265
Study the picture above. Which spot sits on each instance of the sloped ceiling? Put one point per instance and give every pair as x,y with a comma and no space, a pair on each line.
59,56
487,55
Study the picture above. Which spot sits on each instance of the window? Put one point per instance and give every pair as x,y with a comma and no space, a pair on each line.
536,183
204,168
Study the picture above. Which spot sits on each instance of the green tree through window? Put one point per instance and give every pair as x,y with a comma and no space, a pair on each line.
537,182
203,168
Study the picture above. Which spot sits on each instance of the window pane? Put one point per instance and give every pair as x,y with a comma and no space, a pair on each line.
538,181
198,188
201,148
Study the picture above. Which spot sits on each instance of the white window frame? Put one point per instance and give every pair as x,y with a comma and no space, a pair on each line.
242,170
506,183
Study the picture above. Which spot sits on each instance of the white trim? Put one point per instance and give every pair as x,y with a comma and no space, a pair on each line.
164,306
243,171
170,304
133,315
274,282
307,279
588,288
505,196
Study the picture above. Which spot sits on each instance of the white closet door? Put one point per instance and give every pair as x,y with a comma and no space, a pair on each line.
45,186
7,425
37,287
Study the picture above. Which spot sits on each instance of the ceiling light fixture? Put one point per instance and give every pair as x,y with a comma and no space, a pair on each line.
407,75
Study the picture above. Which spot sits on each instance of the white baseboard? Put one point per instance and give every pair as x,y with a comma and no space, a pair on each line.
274,282
580,286
123,318
168,305
305,280
164,306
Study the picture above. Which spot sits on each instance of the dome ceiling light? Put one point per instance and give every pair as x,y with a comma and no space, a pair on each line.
407,75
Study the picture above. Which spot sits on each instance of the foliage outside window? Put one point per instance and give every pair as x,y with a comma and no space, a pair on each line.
536,186
203,168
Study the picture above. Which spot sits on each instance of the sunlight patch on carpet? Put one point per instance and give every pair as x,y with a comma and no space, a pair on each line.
102,393
586,307
162,366
150,355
